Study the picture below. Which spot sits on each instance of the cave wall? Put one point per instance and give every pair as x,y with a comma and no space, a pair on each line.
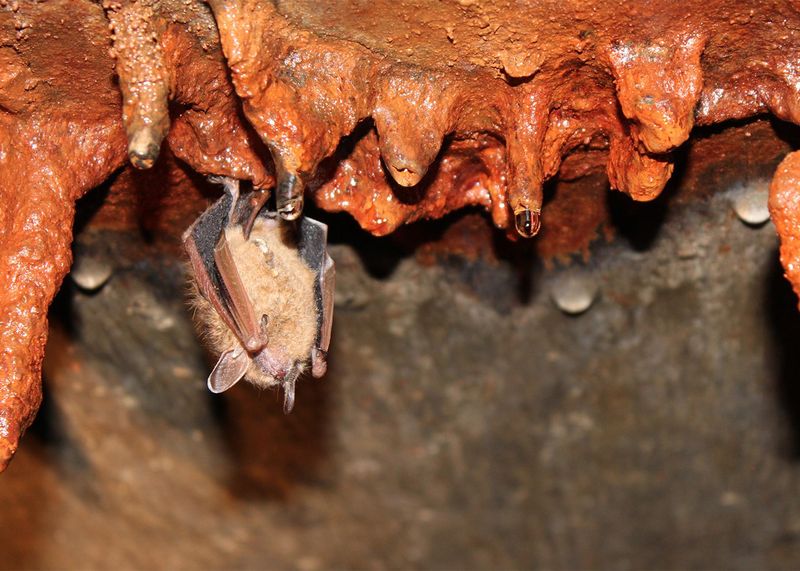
392,119
466,421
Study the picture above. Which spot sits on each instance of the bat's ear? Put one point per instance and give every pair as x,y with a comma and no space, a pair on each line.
229,370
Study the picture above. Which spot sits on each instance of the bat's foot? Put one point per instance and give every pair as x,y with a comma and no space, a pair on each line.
289,197
258,198
289,383
231,187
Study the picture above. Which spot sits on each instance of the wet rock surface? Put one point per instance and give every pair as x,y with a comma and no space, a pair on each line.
628,81
392,112
466,422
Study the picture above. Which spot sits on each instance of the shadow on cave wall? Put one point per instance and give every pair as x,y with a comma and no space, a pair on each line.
783,324
273,455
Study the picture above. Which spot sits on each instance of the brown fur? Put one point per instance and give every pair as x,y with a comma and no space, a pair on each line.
279,285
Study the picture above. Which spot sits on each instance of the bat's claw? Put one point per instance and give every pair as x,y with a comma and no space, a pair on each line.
258,199
231,186
319,362
260,339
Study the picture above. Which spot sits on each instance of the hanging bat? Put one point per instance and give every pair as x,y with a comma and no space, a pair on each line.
265,292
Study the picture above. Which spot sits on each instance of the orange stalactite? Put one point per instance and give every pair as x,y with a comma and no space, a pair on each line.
390,112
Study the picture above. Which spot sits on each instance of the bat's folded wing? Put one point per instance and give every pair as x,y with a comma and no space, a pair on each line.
313,246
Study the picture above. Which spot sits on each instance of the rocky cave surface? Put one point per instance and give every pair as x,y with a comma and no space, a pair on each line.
532,130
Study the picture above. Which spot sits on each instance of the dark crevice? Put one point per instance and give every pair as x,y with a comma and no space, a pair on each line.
783,324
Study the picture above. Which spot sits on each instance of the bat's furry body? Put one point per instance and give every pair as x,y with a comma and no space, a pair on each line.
263,292
281,286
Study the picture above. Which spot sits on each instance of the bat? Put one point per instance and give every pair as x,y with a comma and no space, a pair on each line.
264,292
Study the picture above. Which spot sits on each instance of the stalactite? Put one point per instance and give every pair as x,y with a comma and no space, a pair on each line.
391,119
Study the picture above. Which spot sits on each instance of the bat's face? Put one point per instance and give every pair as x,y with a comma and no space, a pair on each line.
266,294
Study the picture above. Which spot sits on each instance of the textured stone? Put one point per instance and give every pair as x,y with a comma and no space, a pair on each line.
465,421
437,107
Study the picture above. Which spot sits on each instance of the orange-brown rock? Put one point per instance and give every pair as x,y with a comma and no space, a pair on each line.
54,145
784,207
392,112
62,134
143,77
